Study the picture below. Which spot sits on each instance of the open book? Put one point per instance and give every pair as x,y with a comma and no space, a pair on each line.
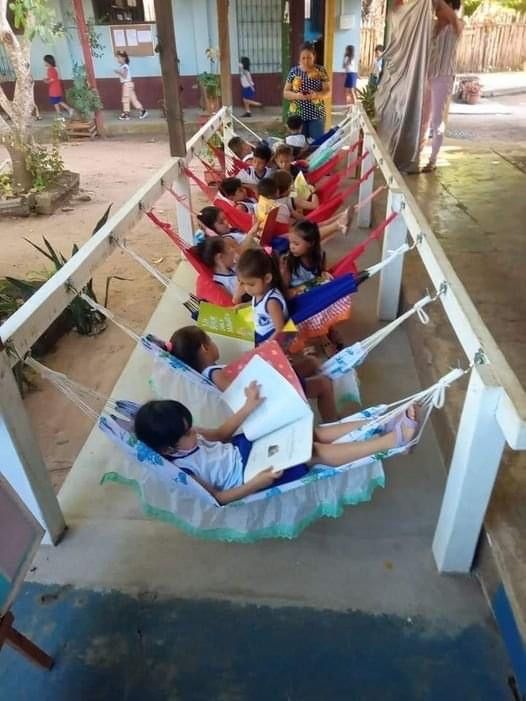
280,428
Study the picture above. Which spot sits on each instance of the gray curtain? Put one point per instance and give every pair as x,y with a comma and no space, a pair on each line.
400,94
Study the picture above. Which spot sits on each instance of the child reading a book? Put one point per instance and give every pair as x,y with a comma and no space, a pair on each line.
232,189
305,261
216,458
197,350
214,219
260,278
219,255
260,167
284,159
267,193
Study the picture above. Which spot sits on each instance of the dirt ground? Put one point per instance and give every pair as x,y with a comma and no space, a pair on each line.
110,172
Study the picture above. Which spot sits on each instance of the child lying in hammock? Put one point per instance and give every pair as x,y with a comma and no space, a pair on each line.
232,190
214,219
305,262
216,458
219,254
197,350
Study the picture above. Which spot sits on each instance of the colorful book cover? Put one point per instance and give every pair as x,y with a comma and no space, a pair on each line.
226,321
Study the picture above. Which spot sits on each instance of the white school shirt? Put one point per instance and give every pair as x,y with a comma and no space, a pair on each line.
218,464
297,140
227,280
246,79
263,323
250,177
209,371
285,209
237,236
125,76
301,275
349,65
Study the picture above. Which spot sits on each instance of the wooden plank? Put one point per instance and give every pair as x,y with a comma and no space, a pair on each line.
224,51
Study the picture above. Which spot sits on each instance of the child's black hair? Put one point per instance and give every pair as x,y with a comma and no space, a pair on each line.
284,149
267,188
380,47
186,343
208,216
245,62
256,263
208,249
162,424
124,55
349,51
294,122
283,180
229,186
50,60
235,144
263,151
310,233
454,4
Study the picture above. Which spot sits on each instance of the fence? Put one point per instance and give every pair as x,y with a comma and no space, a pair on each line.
484,46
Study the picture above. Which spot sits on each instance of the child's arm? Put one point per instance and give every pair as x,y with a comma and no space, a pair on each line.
276,314
313,203
119,71
221,380
251,237
225,432
257,483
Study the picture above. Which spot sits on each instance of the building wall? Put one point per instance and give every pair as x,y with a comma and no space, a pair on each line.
196,30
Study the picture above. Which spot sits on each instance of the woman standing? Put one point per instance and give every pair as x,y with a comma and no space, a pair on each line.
440,81
307,88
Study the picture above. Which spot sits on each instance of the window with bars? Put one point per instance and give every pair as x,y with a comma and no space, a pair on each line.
259,34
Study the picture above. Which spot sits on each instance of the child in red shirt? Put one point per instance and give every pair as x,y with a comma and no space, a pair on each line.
56,97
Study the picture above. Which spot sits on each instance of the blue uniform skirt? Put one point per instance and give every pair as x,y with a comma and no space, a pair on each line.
290,475
248,93
350,80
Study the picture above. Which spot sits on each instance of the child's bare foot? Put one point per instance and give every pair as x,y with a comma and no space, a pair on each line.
342,221
405,429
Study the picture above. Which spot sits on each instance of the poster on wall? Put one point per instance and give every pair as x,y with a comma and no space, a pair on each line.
20,536
135,39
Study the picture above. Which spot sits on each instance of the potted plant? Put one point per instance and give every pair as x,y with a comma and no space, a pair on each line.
85,101
469,90
210,85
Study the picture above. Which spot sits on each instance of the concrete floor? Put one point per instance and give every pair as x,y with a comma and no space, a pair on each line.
353,608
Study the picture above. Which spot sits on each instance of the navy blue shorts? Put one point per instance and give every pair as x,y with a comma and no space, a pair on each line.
350,80
245,446
248,93
55,100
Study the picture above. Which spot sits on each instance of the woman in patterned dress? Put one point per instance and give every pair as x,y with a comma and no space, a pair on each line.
307,88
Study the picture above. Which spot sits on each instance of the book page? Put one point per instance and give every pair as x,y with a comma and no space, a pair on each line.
286,447
282,405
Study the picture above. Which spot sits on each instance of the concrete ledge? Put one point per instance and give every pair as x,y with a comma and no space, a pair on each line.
47,201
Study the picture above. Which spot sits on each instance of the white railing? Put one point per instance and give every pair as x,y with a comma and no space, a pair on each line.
494,409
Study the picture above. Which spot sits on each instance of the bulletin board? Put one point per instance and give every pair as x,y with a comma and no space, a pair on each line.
135,39
20,536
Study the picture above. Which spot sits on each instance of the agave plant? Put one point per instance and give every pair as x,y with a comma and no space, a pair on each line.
366,96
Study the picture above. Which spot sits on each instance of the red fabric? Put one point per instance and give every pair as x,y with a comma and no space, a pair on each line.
269,229
313,176
218,175
329,187
219,154
207,191
209,290
326,210
54,84
236,217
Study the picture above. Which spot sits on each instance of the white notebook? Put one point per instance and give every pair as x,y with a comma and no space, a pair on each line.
280,428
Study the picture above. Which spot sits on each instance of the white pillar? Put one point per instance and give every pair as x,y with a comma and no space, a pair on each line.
228,133
474,467
366,188
181,186
391,276
21,461
353,138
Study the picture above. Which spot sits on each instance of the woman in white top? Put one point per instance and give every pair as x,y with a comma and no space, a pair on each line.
128,88
248,89
440,81
351,75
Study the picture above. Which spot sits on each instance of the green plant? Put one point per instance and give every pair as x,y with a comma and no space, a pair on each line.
45,165
210,83
366,96
6,185
84,99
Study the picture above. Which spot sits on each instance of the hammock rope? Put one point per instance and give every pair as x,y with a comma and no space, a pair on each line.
369,198
145,264
250,131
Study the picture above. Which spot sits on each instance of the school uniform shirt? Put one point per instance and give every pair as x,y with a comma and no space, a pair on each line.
302,275
210,370
218,464
236,236
296,140
227,280
263,208
263,324
250,177
125,75
285,209
349,65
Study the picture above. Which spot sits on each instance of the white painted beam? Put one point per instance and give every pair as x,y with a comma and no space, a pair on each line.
474,467
391,276
366,188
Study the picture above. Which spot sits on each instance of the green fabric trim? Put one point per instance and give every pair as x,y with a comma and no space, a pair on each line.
233,536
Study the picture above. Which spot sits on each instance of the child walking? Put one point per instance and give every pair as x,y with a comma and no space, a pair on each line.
128,88
248,89
216,458
351,76
56,95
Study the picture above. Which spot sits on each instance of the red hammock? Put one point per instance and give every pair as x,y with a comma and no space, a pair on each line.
219,154
327,209
236,217
208,191
313,176
217,173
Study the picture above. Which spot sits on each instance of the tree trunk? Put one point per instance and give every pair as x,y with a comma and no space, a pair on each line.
22,179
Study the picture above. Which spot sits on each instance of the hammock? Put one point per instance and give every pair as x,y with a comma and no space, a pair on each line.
169,494
331,206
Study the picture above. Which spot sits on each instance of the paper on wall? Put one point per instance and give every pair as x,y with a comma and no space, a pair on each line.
119,38
131,37
144,36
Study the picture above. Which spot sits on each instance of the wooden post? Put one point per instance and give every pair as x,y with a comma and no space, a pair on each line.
390,282
82,29
328,54
21,460
474,467
21,644
224,52
366,188
170,73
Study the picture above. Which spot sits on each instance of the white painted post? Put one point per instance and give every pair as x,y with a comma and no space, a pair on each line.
181,186
474,467
391,276
366,188
21,461
353,138
228,133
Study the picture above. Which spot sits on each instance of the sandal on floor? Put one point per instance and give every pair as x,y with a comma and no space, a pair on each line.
429,168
